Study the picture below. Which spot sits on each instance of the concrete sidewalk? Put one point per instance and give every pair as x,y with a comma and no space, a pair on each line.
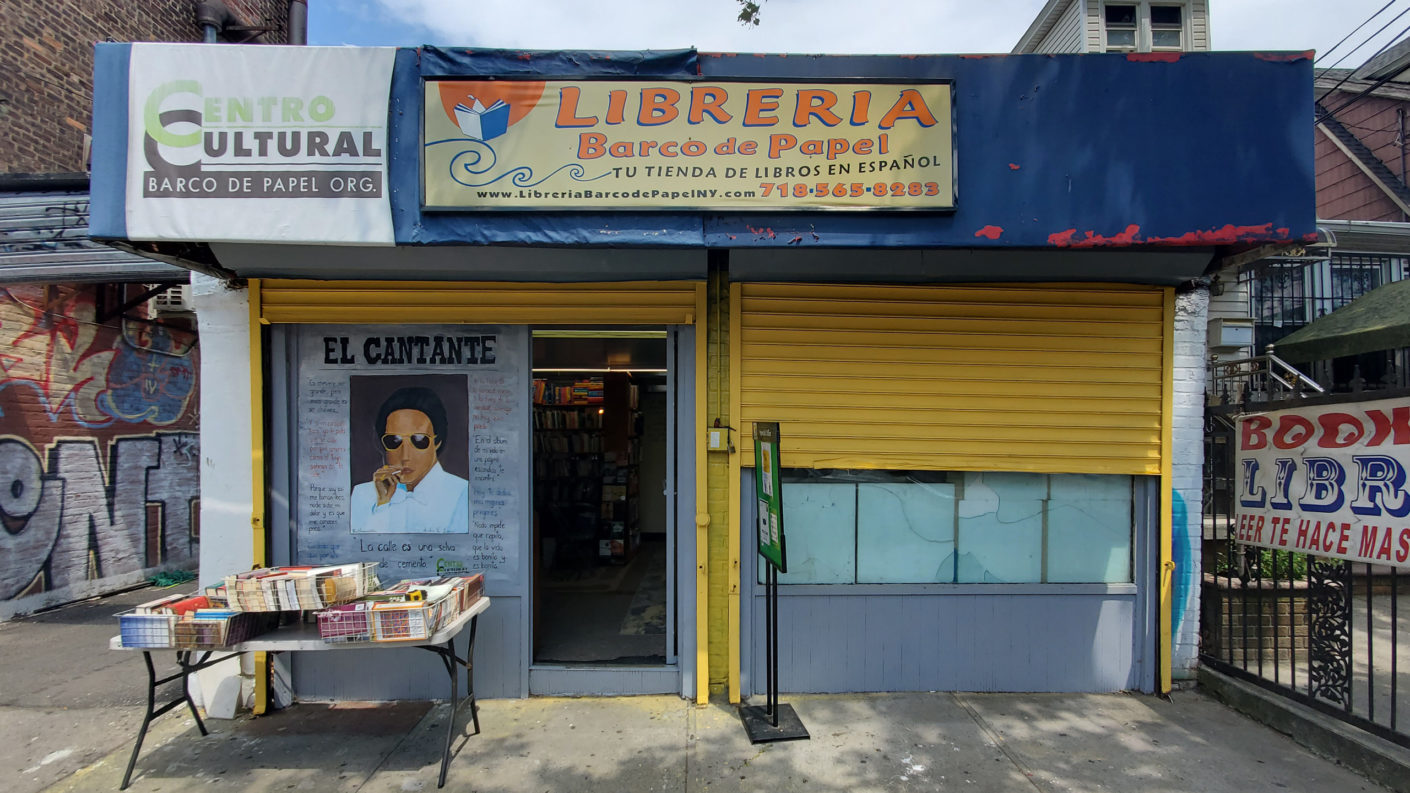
892,742
69,711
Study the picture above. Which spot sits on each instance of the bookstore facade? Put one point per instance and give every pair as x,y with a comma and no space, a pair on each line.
567,285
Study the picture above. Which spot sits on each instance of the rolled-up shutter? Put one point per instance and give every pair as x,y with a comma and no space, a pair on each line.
364,302
1049,378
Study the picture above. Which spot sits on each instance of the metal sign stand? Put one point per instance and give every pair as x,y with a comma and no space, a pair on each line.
772,721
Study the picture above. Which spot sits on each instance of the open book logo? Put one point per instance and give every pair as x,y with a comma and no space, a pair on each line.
480,122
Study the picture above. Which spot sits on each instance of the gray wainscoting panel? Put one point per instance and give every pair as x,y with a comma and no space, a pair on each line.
603,681
408,673
944,642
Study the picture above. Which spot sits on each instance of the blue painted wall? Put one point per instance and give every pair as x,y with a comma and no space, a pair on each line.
1197,149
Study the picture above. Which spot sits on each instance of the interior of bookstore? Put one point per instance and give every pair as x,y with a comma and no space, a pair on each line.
601,556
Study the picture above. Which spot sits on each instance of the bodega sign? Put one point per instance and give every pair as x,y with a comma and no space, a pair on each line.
277,144
1327,480
594,145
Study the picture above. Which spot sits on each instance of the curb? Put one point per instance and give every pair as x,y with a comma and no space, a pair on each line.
1379,760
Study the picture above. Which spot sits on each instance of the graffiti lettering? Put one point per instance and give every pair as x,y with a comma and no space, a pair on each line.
99,458
82,519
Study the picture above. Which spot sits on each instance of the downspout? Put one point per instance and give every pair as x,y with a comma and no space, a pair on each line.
212,16
298,21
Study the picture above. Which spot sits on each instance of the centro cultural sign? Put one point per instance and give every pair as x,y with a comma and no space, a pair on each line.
231,143
592,145
1328,480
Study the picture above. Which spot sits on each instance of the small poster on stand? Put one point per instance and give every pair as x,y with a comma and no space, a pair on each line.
771,721
770,495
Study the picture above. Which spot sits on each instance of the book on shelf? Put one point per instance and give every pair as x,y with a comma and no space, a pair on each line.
586,391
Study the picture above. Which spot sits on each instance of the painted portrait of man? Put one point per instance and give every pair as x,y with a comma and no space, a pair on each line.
412,492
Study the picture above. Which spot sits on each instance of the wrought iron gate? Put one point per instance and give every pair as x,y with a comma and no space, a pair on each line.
1324,632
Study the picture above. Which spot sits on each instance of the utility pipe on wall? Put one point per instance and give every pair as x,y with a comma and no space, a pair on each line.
213,16
298,21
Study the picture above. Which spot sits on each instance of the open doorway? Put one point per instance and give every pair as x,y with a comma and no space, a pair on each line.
602,560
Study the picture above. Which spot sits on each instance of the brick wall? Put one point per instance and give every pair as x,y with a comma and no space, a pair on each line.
46,55
99,445
1187,442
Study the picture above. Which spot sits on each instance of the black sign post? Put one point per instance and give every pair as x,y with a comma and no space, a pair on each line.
771,721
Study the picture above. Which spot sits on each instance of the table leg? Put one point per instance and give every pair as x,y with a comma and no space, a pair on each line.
448,656
453,662
470,675
183,660
146,718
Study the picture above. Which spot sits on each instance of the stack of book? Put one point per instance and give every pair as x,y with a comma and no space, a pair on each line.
587,392
297,588
186,621
412,610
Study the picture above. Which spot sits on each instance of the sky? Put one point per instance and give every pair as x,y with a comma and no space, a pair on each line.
813,26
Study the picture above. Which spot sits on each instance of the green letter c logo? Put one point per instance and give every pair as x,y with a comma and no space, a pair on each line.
152,113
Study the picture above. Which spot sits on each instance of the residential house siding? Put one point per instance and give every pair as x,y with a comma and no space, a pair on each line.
1067,34
1344,191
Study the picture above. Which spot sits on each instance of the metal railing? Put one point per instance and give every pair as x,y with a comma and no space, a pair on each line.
1331,634
1258,378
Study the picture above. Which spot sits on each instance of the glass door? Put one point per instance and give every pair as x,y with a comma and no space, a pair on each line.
603,565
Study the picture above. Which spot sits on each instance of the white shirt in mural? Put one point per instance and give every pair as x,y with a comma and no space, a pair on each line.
440,504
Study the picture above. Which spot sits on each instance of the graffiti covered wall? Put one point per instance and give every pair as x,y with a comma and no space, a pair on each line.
99,445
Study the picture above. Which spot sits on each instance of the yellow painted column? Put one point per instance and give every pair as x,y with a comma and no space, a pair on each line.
259,550
1167,491
733,600
718,490
702,511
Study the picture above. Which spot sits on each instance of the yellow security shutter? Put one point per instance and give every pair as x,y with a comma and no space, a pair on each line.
369,302
1048,378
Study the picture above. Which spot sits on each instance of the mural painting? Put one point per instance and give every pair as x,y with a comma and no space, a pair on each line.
99,445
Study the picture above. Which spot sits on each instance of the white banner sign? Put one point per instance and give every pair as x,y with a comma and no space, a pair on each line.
1327,480
258,144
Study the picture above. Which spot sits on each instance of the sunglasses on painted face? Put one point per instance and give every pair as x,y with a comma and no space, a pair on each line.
419,440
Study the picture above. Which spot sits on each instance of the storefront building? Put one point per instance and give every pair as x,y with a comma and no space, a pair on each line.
965,287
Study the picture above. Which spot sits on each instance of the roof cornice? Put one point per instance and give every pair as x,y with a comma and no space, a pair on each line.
1331,80
1041,24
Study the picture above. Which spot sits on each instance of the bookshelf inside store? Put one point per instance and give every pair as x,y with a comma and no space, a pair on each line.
586,449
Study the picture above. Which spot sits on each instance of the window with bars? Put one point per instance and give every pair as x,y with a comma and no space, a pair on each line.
1286,295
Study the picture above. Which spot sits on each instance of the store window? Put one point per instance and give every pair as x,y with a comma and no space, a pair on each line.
913,527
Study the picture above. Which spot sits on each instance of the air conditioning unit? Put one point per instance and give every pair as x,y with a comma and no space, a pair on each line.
176,300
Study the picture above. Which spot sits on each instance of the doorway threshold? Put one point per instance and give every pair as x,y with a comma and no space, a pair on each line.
603,679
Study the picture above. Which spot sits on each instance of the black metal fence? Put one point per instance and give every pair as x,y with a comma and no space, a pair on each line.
1330,634
1286,294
